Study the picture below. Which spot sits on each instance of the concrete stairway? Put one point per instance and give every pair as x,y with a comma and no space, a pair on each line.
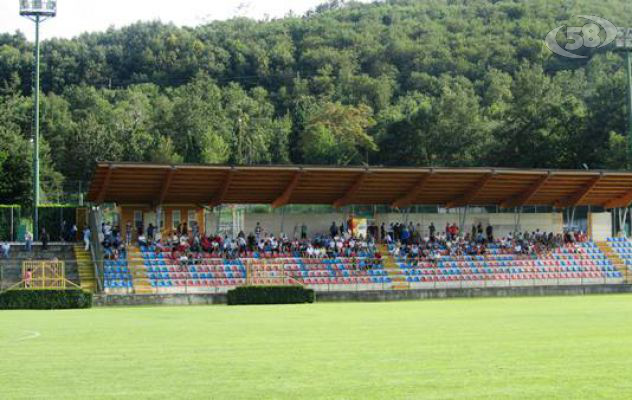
393,270
616,260
85,268
137,268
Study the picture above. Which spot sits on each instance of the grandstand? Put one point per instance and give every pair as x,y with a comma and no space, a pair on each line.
170,196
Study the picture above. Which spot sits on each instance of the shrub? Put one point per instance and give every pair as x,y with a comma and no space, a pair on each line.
45,299
270,295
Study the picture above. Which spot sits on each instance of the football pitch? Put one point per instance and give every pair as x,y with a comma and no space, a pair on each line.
500,348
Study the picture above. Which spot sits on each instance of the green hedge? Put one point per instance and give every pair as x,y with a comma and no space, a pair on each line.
45,299
270,295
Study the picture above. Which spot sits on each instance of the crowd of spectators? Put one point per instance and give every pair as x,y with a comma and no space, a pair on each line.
339,243
403,239
407,240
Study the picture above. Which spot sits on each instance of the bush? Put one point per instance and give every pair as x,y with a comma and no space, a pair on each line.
45,299
270,295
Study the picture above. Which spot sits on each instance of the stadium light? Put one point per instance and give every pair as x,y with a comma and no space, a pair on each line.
37,11
623,42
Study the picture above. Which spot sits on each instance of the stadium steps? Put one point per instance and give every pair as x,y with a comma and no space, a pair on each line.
140,280
85,268
393,270
613,256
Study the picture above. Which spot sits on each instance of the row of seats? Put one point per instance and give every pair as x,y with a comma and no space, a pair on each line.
623,248
582,260
516,277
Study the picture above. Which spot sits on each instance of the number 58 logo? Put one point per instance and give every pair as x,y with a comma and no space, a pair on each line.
589,35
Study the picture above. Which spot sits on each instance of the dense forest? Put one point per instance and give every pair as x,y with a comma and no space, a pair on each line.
397,82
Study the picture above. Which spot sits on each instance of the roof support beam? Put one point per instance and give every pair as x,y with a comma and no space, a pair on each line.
284,198
413,193
346,199
468,196
623,201
221,193
580,195
166,184
106,184
524,197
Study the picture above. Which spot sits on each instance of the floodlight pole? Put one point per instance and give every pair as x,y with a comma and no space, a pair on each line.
36,180
37,11
628,64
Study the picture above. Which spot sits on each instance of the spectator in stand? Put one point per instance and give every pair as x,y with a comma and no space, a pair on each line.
404,234
44,238
28,278
258,230
73,233
28,238
431,230
142,240
303,231
128,233
140,230
489,231
333,229
63,234
6,248
86,238
383,232
150,232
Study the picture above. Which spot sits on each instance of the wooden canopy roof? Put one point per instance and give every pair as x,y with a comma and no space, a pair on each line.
137,183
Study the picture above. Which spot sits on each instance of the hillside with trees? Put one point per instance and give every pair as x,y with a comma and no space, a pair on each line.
397,82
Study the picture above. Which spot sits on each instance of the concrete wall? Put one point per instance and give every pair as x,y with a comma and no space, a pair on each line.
151,299
372,296
394,295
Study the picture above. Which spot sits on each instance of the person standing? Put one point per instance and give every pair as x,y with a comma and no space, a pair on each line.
258,230
333,230
73,233
44,238
490,233
86,238
63,234
6,247
28,277
128,233
303,231
150,232
28,238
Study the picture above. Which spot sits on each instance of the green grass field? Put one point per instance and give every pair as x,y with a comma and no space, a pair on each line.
518,348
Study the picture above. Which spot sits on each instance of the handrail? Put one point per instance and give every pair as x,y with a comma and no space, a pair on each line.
96,251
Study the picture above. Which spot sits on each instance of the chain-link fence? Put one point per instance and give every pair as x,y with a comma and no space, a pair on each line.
11,223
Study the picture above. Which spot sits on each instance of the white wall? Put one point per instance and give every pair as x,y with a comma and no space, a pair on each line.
319,223
503,223
600,226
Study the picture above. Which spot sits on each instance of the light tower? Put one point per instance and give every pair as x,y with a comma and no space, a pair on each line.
37,11
623,43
